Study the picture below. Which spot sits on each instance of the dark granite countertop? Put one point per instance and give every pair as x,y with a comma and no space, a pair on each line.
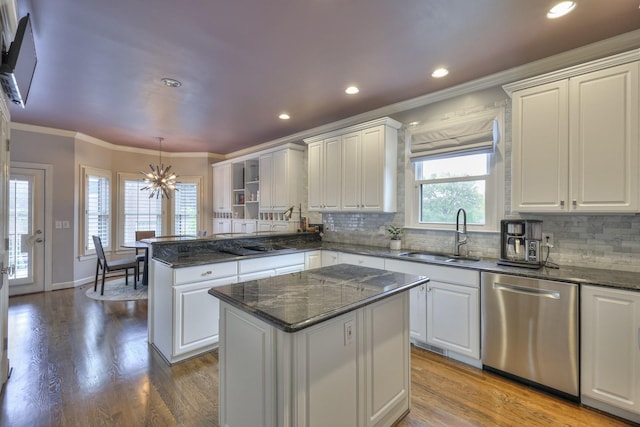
295,301
580,275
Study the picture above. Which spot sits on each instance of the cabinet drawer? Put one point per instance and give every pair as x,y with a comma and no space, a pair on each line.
205,272
269,262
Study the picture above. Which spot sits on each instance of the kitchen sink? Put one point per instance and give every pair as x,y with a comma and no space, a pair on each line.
427,256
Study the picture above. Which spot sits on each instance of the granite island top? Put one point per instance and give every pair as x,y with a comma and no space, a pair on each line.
295,301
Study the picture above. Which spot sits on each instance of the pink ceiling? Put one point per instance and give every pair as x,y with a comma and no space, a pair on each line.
242,62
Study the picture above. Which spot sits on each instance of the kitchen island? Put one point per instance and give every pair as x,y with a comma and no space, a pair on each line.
328,346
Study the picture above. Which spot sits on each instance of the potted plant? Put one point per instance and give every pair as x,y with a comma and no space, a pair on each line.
395,232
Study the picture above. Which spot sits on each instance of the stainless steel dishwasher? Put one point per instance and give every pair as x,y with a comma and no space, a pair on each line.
530,331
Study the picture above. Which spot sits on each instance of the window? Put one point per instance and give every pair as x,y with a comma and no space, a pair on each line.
445,185
97,207
459,176
137,211
186,206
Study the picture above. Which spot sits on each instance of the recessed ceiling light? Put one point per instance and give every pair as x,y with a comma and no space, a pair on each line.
284,116
439,72
352,90
414,124
561,9
171,82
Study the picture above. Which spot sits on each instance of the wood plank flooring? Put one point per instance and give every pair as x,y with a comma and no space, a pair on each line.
80,362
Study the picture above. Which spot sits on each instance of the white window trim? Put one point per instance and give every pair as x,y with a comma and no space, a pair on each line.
122,177
495,188
170,212
86,171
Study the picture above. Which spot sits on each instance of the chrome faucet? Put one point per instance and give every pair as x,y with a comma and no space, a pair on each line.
461,236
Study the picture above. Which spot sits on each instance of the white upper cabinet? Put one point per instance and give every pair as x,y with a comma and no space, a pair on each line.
280,179
354,169
576,138
540,150
325,162
222,188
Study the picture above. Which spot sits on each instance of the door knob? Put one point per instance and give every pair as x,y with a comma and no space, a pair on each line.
39,240
10,270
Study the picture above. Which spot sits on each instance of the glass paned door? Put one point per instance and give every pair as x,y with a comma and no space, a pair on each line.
26,231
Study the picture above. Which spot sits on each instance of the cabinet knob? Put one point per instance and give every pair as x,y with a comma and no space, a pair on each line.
574,203
562,203
206,273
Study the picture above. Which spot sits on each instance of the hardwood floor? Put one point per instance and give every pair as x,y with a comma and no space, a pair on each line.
80,362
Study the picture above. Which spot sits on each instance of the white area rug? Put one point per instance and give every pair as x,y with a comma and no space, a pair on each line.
115,290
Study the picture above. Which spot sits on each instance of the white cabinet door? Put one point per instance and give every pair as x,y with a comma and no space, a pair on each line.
387,360
453,318
351,171
610,347
221,225
324,171
539,156
312,259
315,173
418,313
222,188
266,181
329,258
604,140
196,315
372,169
332,176
280,175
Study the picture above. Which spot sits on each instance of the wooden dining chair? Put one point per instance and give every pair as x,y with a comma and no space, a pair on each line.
122,264
143,234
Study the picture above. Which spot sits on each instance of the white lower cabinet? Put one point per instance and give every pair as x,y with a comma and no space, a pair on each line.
196,315
329,258
243,226
221,225
185,316
453,318
610,350
312,259
445,312
417,298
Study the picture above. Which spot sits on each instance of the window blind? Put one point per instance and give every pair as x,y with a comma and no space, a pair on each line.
186,209
458,137
140,211
97,209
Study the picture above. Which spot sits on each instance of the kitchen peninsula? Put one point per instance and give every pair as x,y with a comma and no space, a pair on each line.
328,346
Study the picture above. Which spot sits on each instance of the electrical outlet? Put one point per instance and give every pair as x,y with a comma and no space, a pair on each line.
547,239
348,332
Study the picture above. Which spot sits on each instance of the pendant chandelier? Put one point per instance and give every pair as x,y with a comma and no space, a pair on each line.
160,181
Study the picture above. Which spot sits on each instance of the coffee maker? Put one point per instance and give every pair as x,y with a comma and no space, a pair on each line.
520,241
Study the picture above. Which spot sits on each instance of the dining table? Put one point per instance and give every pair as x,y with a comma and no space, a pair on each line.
137,245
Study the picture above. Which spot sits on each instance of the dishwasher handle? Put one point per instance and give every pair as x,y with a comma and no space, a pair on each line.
544,293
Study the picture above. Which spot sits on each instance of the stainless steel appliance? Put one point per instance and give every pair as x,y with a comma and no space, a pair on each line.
530,331
520,243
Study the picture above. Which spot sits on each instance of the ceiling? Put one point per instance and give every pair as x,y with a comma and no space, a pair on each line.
243,62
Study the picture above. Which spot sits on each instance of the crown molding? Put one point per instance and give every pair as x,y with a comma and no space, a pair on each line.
78,136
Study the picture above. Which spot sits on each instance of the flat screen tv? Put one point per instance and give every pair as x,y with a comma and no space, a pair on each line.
19,64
